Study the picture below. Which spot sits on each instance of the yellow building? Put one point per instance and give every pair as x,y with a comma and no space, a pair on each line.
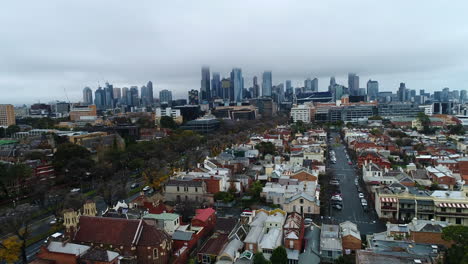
7,115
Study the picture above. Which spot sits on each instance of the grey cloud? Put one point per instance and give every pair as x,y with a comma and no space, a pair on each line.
51,45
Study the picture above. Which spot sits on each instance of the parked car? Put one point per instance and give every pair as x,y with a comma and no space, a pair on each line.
337,198
350,163
364,202
307,221
146,188
134,185
337,207
361,195
334,182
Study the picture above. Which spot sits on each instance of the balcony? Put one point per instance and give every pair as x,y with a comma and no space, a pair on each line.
388,208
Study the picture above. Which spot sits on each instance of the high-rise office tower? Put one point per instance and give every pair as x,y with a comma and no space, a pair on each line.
339,91
314,85
144,95
308,85
7,115
109,95
255,88
125,96
372,90
99,98
353,84
134,99
87,96
289,90
267,84
205,91
445,94
117,94
193,97
149,88
228,93
402,92
216,86
165,97
463,98
237,84
332,84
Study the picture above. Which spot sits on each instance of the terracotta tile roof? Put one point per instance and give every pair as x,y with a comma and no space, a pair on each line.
116,231
204,214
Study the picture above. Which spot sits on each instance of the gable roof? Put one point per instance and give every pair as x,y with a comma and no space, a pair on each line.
204,214
116,231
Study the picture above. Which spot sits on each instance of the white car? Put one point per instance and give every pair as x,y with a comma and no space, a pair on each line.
361,195
337,198
146,188
363,202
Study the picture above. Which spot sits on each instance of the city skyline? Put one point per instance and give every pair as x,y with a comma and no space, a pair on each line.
52,47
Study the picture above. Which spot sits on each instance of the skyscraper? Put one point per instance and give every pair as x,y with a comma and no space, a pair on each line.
372,90
332,84
109,96
255,88
134,99
99,98
117,93
315,85
149,87
267,84
165,97
216,90
402,92
308,85
353,84
228,93
144,95
237,84
463,97
87,96
205,91
126,99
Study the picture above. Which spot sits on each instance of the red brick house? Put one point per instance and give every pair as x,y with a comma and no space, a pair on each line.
212,184
71,253
374,157
303,175
205,218
133,239
293,232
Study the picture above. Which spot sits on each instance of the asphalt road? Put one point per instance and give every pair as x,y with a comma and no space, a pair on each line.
353,211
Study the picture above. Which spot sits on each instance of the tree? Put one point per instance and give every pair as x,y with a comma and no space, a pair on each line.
68,153
266,148
10,249
260,259
167,122
342,260
456,129
376,117
2,132
279,256
226,197
458,253
17,222
12,130
255,189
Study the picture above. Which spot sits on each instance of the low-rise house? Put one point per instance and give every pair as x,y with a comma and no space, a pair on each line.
293,236
186,190
350,236
135,240
405,203
303,203
311,253
330,243
212,248
441,175
230,252
255,234
374,157
167,221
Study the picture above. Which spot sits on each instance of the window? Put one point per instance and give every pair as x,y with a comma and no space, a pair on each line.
196,189
308,209
329,253
458,221
178,189
291,244
294,208
442,219
155,253
301,201
459,210
443,209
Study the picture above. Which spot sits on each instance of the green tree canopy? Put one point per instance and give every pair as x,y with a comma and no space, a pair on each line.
260,259
69,153
224,196
168,122
266,148
458,253
279,256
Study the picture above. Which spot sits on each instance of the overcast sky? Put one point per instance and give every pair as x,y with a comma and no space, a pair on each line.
48,46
